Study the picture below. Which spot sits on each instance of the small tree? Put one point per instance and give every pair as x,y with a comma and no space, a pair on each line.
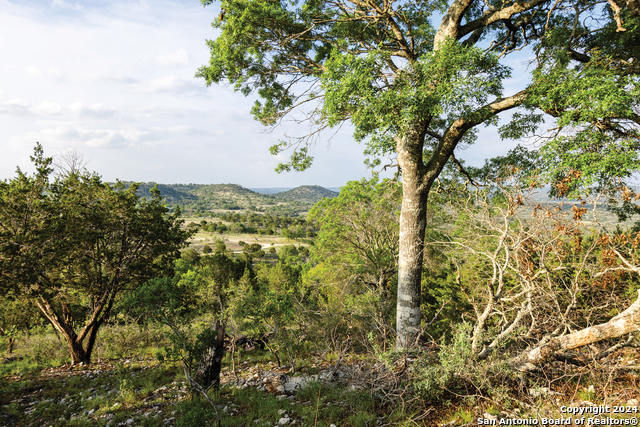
73,245
16,314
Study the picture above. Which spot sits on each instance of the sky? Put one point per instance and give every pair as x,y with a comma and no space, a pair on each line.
114,80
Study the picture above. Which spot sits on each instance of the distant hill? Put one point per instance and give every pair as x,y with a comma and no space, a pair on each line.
174,194
307,194
198,199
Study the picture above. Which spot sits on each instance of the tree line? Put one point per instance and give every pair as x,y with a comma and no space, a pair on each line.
253,223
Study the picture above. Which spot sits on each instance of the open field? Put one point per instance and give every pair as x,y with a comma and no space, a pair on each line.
231,240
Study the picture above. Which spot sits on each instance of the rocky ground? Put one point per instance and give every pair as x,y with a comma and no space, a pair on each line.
139,391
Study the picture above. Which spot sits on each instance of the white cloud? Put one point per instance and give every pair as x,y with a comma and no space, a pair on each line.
104,138
64,5
15,107
178,58
120,78
19,107
174,85
171,84
111,138
117,78
52,73
47,108
34,71
67,132
55,75
95,111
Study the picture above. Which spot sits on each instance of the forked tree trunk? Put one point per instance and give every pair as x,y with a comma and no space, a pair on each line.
76,350
79,352
417,179
624,323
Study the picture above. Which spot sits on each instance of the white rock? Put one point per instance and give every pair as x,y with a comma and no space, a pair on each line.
284,421
539,391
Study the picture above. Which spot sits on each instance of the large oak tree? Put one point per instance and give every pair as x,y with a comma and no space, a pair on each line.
72,245
415,79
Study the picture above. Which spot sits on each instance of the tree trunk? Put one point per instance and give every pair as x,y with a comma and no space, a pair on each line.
10,339
91,339
78,353
208,373
76,350
10,342
624,323
413,218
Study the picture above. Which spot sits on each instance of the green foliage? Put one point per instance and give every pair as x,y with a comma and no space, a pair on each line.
194,290
457,370
598,102
355,251
167,300
359,232
17,313
74,244
414,83
447,83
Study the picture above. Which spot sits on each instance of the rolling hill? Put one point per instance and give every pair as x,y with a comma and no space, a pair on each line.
197,199
307,194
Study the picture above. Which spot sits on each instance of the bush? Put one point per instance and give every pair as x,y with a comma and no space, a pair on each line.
458,370
46,348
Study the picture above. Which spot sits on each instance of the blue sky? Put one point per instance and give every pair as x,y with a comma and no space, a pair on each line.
115,81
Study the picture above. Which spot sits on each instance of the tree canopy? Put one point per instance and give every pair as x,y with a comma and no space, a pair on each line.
73,244
415,79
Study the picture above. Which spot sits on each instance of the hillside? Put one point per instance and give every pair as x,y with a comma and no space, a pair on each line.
174,194
198,199
307,194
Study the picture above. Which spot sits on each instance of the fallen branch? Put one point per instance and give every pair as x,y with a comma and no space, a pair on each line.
624,323
616,347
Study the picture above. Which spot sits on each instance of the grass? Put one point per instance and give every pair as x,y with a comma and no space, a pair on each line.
134,385
231,240
92,396
152,393
335,405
